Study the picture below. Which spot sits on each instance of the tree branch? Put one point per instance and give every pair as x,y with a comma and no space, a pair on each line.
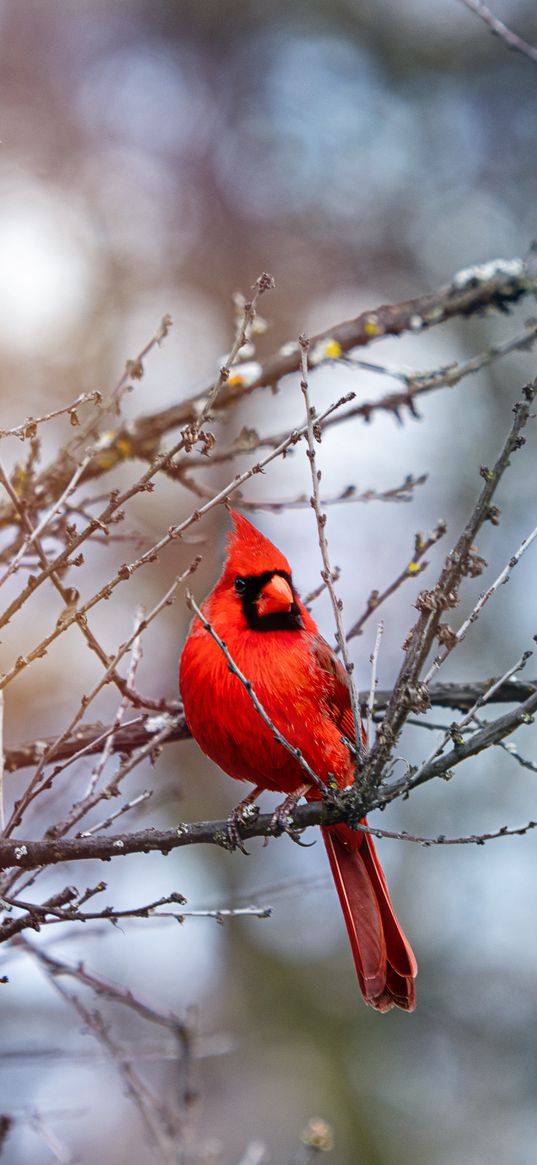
494,285
89,738
408,694
29,855
510,38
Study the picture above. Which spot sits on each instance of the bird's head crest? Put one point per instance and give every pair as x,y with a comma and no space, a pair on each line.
249,552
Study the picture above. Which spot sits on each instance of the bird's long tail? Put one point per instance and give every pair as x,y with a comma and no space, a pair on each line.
384,960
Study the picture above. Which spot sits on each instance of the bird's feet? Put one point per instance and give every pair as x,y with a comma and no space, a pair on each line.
245,813
282,818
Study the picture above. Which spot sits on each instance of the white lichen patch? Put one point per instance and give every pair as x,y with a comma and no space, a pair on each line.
482,272
155,724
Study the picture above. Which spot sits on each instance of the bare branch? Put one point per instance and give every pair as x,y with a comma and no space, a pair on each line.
64,908
412,570
313,435
502,578
29,427
493,285
31,855
492,734
373,684
408,695
399,493
28,855
455,730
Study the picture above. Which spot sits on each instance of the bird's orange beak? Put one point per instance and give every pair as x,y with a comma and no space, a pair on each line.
276,596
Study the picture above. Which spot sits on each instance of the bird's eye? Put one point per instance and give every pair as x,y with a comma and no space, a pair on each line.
240,585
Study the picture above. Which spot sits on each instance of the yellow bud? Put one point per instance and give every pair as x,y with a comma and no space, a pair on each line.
236,380
372,327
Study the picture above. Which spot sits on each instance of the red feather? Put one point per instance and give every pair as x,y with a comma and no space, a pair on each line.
304,690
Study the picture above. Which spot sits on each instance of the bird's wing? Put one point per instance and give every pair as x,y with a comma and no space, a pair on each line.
337,686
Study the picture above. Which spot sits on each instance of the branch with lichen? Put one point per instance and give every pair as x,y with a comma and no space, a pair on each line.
491,286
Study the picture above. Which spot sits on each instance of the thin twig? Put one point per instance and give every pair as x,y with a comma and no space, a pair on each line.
42,914
318,591
38,782
58,1150
89,738
510,38
442,839
495,285
454,732
126,570
263,283
409,695
123,809
413,569
400,493
133,645
373,684
28,428
459,635
510,748
314,434
42,525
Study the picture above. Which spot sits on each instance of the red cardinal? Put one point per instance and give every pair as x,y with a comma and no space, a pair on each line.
275,643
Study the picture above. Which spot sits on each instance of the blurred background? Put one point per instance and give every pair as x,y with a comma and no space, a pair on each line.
156,157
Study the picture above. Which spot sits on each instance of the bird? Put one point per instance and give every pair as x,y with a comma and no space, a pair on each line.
303,688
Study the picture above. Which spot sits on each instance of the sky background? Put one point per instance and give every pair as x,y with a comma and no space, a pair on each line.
156,157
